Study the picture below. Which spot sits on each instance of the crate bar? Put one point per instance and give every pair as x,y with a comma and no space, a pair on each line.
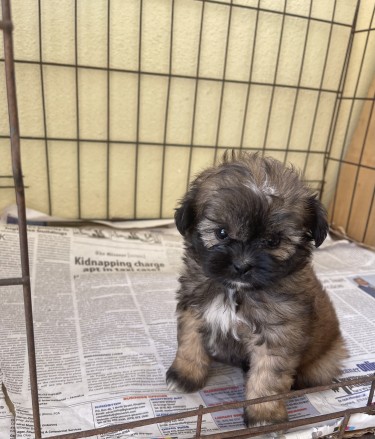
173,75
108,141
273,428
254,431
44,112
199,423
355,187
288,14
6,25
371,393
14,281
139,103
274,80
234,405
166,116
196,88
343,426
297,95
20,199
178,145
354,98
77,107
338,102
371,29
229,26
312,132
369,216
248,89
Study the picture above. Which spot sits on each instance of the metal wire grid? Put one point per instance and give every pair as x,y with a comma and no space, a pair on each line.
361,161
6,25
307,153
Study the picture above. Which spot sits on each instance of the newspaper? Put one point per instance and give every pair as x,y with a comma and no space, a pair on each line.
9,215
105,329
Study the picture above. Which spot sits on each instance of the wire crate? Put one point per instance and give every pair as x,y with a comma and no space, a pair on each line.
121,103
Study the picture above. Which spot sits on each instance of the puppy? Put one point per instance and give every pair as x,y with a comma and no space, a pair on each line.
248,295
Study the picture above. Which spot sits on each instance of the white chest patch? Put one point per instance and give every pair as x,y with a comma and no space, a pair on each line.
222,317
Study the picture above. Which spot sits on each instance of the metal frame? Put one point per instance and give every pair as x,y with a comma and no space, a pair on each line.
24,280
197,77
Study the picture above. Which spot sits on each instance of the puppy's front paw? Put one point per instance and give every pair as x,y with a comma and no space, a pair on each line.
272,412
178,381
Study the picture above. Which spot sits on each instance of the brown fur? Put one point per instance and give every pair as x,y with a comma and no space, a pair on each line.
248,293
191,359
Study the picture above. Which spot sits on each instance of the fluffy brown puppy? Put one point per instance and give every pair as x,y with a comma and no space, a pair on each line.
248,295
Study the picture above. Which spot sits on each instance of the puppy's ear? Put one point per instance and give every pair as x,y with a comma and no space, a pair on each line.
317,220
185,214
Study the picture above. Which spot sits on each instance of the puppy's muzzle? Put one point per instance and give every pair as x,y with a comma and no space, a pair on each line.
241,267
242,259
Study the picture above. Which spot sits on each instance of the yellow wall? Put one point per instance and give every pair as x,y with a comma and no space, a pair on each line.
142,170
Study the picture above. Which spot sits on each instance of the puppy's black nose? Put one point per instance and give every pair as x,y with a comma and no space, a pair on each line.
241,267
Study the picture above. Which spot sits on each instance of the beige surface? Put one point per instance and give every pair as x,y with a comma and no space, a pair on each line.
57,18
353,207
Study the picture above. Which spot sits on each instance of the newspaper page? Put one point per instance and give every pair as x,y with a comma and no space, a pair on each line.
9,215
105,330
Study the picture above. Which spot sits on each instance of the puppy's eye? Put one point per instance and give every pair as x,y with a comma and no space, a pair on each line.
221,234
273,241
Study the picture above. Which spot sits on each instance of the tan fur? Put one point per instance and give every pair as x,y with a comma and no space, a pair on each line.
251,298
191,358
320,370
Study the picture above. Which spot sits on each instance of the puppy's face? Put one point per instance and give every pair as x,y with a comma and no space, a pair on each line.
250,221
